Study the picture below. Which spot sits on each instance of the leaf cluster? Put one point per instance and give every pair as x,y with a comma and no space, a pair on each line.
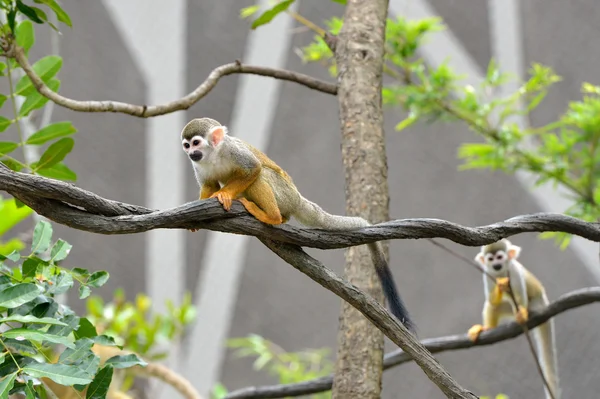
288,367
54,137
41,338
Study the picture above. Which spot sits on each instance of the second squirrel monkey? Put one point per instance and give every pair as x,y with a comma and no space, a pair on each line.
500,261
228,168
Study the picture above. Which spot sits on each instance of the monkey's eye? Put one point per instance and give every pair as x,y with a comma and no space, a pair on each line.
499,256
186,145
196,142
490,258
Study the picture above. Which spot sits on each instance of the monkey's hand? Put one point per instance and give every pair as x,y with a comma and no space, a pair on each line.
522,315
224,198
474,331
503,284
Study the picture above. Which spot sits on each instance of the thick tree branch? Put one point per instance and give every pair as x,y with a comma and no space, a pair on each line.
72,206
504,332
373,311
144,111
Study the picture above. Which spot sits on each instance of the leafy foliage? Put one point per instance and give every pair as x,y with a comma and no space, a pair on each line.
35,325
51,162
288,367
564,153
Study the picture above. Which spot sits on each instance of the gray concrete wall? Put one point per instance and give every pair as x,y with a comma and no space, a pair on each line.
302,134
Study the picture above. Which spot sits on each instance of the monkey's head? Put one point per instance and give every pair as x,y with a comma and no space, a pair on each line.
496,257
200,137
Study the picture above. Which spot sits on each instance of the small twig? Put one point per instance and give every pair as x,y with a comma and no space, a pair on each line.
504,332
142,111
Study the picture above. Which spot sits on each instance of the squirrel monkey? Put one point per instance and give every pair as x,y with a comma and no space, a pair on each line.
500,261
228,168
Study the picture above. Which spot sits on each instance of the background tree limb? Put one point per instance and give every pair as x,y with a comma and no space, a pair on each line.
504,332
146,111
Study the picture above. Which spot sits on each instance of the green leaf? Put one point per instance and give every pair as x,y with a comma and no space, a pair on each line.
37,335
25,35
50,132
105,340
29,12
2,68
46,68
30,267
11,16
268,15
29,390
125,361
60,250
60,373
72,322
61,15
219,391
99,387
84,291
12,165
31,319
55,153
6,147
98,279
59,171
249,11
35,100
85,330
7,384
42,234
14,256
80,273
18,294
2,98
4,123
10,215
75,355
20,346
340,1
63,282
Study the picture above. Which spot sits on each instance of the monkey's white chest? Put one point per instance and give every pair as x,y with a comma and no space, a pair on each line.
212,169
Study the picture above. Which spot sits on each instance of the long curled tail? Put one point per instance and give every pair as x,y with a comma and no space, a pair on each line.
310,214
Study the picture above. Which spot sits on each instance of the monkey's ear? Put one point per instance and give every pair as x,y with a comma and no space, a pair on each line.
480,258
216,135
514,251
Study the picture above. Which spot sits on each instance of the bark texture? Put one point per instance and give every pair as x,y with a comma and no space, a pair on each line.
359,57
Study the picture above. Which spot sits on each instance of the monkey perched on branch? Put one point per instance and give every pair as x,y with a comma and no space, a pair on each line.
499,260
228,168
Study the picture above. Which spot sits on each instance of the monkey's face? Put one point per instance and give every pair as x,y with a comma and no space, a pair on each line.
196,148
496,262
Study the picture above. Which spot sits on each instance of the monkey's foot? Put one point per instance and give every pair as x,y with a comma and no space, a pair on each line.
193,230
258,213
522,315
474,332
502,283
224,198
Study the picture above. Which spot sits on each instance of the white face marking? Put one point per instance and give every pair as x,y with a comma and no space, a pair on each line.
497,261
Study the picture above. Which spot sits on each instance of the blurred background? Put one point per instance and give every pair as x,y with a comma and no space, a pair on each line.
150,52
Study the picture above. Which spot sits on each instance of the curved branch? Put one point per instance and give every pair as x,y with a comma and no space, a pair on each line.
503,332
144,111
69,205
374,312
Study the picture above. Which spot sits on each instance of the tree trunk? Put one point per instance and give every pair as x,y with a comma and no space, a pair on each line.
359,57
